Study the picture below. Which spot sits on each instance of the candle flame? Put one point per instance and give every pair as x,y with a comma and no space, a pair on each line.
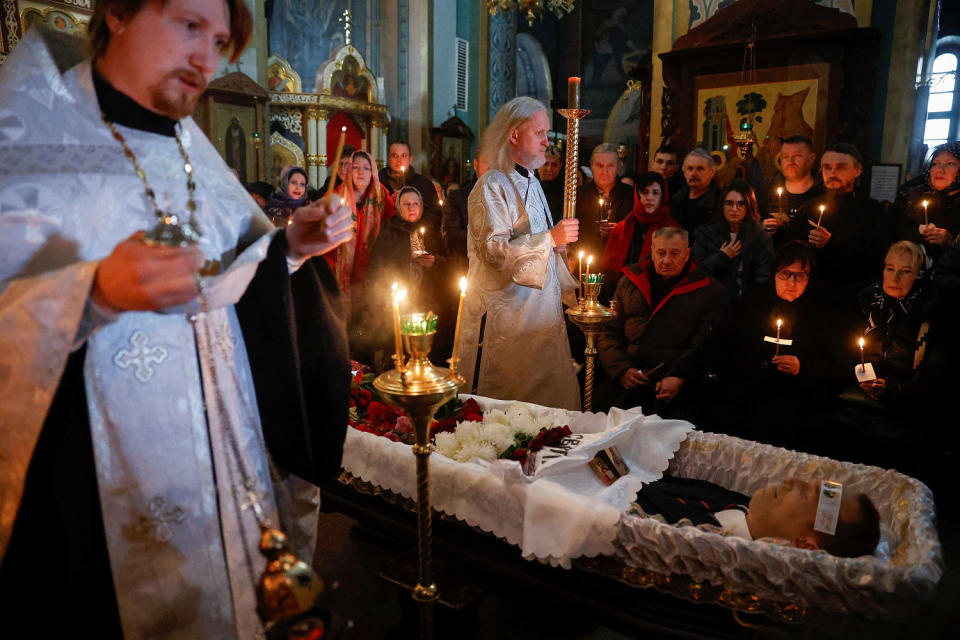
401,294
779,191
394,287
343,129
423,230
581,255
441,202
925,204
861,343
601,202
343,201
463,284
403,169
589,261
822,208
779,322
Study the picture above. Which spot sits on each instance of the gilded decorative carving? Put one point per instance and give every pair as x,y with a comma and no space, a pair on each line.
323,114
312,113
281,77
289,117
313,160
668,117
10,20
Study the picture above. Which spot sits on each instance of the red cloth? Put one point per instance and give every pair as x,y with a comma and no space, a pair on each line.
618,244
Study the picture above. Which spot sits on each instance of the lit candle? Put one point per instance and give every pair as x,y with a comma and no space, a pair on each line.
822,208
398,295
336,158
589,262
925,203
580,275
601,202
863,365
777,351
403,176
573,93
456,332
441,202
423,230
780,199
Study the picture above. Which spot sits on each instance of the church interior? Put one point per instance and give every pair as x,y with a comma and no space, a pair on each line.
735,78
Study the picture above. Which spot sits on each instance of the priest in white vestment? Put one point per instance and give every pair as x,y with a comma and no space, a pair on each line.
513,340
142,405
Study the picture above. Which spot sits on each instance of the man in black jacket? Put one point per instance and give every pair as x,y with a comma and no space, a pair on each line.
400,173
694,204
666,307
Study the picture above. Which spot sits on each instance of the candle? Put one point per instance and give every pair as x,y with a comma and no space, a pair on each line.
589,262
336,158
403,176
580,275
398,295
863,365
601,202
821,215
456,332
777,352
573,93
423,230
780,199
925,203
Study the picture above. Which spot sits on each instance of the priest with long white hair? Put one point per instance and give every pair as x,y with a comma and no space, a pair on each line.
513,342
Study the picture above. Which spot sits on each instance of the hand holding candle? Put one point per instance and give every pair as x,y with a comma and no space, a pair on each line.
863,365
820,219
336,159
777,350
925,221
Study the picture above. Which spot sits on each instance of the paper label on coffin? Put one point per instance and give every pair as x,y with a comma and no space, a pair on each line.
786,342
865,372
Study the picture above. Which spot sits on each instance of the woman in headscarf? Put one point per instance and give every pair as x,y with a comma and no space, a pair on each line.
939,186
372,206
290,196
734,248
629,241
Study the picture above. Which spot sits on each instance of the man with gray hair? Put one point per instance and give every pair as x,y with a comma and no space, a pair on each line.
513,342
601,202
694,204
666,306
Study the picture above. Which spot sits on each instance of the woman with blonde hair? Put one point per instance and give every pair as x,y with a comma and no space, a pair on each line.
371,205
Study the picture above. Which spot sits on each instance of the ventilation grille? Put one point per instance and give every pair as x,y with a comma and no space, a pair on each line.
463,65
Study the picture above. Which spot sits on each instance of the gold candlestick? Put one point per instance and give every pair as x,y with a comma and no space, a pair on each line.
591,317
573,113
419,391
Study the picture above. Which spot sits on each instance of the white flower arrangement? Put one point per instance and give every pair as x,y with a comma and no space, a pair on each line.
489,439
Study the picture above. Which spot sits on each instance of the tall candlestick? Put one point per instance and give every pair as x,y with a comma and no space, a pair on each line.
456,332
336,159
777,351
863,365
573,93
398,295
925,203
580,275
822,208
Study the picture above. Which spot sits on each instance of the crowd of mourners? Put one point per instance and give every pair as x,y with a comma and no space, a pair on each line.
800,313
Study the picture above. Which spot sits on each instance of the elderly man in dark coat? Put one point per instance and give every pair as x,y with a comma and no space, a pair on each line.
666,306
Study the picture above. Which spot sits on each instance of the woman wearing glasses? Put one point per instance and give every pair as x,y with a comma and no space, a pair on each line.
777,360
936,225
734,248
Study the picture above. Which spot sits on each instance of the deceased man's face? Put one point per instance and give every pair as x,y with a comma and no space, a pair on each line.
785,510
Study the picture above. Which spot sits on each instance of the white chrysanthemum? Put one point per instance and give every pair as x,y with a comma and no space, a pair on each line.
495,415
482,450
446,444
499,435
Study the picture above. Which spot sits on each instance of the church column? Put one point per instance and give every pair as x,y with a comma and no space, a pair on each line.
323,116
310,114
502,40
383,145
374,139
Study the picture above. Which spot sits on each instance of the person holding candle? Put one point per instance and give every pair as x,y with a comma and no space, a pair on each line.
517,273
666,306
344,167
776,393
939,187
796,185
601,202
400,173
734,248
854,232
290,196
372,206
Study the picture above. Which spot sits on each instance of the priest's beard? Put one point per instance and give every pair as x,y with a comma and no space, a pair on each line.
531,161
172,99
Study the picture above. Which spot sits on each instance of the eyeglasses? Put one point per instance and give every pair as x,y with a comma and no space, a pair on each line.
944,166
735,204
798,276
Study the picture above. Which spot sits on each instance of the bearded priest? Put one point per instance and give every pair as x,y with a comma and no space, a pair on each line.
157,335
513,339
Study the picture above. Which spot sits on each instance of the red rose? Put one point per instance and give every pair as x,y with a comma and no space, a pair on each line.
520,455
555,436
470,412
380,413
438,426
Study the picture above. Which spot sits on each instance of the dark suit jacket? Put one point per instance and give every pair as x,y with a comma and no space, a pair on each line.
695,500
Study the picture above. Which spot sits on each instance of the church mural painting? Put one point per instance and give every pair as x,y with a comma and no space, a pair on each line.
615,39
703,10
783,102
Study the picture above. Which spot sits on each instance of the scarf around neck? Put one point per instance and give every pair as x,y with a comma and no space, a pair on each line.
618,244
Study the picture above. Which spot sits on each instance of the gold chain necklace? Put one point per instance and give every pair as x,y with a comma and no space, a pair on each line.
169,230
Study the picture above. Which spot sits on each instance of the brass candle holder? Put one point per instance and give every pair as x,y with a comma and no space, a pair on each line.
573,117
419,390
591,317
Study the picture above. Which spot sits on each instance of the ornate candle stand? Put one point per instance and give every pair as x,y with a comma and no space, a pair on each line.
419,390
573,117
591,317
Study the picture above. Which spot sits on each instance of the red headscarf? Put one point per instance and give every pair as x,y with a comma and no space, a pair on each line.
618,244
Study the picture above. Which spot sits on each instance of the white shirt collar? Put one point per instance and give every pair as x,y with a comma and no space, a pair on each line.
734,522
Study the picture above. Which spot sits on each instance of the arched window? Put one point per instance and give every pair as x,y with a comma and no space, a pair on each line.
943,106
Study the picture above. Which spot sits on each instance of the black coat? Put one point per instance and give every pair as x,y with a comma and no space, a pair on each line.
644,336
691,213
943,210
588,212
790,203
746,270
431,202
455,220
688,499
